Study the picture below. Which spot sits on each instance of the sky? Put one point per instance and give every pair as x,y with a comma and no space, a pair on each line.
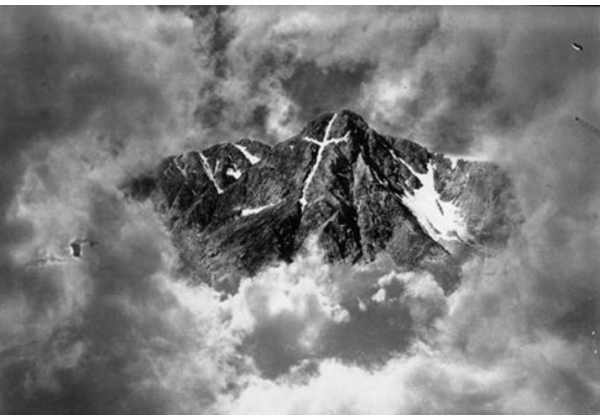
92,96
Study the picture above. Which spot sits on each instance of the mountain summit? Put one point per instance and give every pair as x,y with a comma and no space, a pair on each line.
236,207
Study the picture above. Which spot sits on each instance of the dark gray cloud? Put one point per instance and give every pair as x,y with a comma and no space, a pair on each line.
54,83
290,64
58,81
490,71
314,90
446,77
76,95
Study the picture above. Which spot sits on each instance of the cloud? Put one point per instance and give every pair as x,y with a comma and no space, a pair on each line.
84,99
521,329
121,337
89,97
55,86
288,64
449,78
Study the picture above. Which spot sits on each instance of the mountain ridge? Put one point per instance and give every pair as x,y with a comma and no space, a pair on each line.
234,208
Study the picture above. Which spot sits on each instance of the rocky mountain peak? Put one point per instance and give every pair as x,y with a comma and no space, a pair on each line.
338,124
236,207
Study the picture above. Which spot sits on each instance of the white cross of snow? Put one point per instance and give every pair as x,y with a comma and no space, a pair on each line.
321,144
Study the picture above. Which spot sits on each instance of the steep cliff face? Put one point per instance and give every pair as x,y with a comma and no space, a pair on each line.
233,208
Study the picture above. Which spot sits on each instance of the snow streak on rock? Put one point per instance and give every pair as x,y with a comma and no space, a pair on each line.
209,172
321,144
251,157
254,211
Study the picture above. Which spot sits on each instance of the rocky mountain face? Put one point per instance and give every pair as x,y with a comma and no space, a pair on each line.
235,207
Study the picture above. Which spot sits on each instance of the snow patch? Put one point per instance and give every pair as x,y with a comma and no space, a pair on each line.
209,172
254,211
251,157
321,144
442,220
234,172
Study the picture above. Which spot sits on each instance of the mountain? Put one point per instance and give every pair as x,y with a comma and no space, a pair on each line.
233,208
